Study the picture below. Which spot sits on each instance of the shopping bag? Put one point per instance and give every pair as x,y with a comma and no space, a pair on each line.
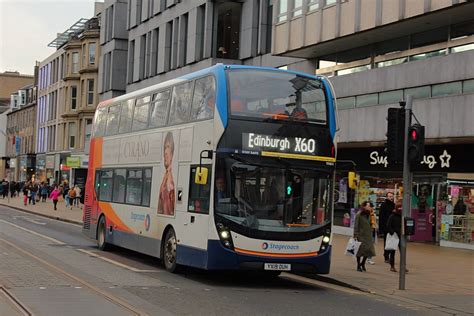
352,247
392,242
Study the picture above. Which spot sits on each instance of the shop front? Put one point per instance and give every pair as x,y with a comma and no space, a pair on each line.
441,180
41,168
50,163
27,167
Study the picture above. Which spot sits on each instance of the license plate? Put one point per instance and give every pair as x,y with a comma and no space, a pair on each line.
277,266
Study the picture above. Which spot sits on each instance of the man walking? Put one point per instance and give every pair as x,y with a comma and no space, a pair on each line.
386,210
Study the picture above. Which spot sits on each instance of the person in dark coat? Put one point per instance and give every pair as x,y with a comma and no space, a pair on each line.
363,234
386,210
394,225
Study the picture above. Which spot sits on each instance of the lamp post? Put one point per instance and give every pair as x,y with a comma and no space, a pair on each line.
8,175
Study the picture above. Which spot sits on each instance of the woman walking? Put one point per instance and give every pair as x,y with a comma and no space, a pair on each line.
363,234
394,225
55,196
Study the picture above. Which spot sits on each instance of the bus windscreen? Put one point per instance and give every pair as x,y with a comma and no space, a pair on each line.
276,95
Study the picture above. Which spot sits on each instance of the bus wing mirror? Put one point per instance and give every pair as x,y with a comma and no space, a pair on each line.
201,175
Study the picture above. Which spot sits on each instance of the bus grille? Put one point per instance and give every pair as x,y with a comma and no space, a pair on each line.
87,218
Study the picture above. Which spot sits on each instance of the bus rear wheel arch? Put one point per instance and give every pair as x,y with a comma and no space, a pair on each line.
102,234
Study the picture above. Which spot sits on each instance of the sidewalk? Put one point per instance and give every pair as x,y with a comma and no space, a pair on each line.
47,209
439,278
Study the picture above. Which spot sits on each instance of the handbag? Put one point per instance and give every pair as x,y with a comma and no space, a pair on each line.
352,247
392,242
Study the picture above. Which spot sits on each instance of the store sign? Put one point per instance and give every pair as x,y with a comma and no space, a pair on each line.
437,158
73,162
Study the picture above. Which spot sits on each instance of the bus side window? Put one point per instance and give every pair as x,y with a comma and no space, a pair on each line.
159,109
140,117
126,116
204,99
113,120
199,194
181,103
100,122
97,183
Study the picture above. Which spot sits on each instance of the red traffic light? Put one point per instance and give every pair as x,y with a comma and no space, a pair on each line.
414,134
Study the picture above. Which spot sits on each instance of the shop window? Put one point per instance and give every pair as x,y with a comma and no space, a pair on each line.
140,117
390,97
126,116
450,88
367,100
346,103
468,86
419,92
159,109
199,194
119,182
181,103
228,29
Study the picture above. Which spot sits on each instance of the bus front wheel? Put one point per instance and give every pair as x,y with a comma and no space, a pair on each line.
102,235
169,251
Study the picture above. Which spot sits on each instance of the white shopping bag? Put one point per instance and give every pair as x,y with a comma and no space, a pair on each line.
352,247
392,242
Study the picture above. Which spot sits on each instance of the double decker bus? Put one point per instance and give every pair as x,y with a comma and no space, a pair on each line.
230,167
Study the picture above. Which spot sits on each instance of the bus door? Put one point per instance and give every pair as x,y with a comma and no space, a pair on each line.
197,214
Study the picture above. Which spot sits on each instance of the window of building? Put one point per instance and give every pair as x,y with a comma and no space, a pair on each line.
462,48
462,30
159,109
297,8
113,119
468,86
140,117
199,194
73,97
346,103
90,91
450,88
367,100
126,116
92,53
228,29
419,92
84,55
72,135
353,70
119,184
141,62
434,36
282,10
329,2
75,63
390,97
131,57
392,62
435,53
181,103
204,99
313,5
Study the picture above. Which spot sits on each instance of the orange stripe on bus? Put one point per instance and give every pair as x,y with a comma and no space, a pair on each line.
277,255
113,217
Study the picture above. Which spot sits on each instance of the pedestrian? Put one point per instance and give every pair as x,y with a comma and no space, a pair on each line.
78,195
26,193
5,186
72,196
386,209
55,196
44,192
12,189
373,226
394,225
363,234
33,191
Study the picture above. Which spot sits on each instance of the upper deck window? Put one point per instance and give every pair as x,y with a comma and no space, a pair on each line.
204,99
276,95
181,103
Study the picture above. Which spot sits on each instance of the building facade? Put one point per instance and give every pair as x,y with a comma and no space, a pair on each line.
11,82
376,53
145,42
67,101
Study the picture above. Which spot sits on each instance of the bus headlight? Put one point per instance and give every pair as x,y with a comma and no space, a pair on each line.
325,243
326,239
225,236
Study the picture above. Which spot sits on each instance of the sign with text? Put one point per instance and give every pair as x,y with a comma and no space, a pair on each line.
144,148
73,162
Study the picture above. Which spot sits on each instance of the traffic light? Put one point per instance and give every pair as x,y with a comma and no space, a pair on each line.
416,143
395,134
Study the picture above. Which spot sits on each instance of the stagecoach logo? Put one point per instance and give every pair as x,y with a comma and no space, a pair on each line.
147,222
279,247
252,141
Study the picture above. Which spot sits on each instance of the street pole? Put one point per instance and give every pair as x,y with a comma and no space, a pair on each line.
406,193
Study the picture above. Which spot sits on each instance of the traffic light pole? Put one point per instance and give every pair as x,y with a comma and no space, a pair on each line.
406,194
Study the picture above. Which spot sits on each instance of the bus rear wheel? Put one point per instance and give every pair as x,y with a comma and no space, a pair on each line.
102,235
169,252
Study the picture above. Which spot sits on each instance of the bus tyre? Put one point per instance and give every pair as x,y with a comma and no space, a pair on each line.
102,235
169,252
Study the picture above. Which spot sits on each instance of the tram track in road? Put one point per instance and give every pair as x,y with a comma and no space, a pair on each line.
54,268
12,305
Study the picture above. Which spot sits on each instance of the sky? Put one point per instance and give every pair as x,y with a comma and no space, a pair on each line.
28,26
